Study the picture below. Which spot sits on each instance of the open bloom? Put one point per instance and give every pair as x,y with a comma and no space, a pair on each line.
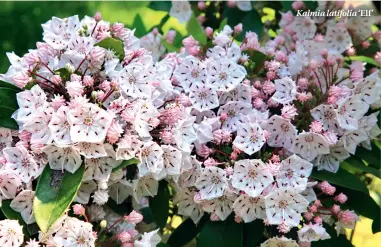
11,233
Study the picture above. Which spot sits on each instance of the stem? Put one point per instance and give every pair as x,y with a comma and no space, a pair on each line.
317,77
40,76
79,66
96,24
114,224
46,66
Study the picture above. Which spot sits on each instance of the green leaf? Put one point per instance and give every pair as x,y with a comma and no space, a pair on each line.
372,157
168,46
163,245
54,193
160,5
138,25
159,205
195,29
11,86
259,59
376,225
357,163
312,5
126,163
185,232
334,241
114,44
64,73
13,215
223,23
253,233
9,123
121,209
221,234
341,178
8,102
365,59
147,215
251,21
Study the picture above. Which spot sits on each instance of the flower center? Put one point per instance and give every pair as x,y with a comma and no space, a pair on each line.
132,80
283,204
253,173
289,173
81,240
202,95
253,138
230,113
284,127
25,163
215,180
88,121
253,199
328,115
223,76
309,138
195,74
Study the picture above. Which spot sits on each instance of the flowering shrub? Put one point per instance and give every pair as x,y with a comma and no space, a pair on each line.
105,136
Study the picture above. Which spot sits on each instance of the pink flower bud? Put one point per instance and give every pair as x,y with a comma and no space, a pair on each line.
98,16
37,148
229,170
210,162
377,57
335,209
209,31
258,103
167,137
155,31
319,37
201,19
31,58
223,116
351,51
317,203
297,5
316,127
289,112
283,227
25,135
231,4
97,54
304,244
365,44
201,5
327,188
170,36
332,100
234,156
214,217
124,237
134,217
275,158
313,209
331,60
78,209
377,35
21,79
88,81
318,220
324,52
268,87
189,42
341,198
307,216
237,219
348,217
56,79
238,28
270,75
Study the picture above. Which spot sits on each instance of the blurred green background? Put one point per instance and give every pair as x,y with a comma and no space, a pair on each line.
20,24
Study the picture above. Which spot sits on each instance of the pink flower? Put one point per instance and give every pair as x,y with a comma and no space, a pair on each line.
348,217
316,127
124,237
209,31
275,158
268,87
223,116
327,188
98,16
335,91
167,137
341,198
303,97
204,151
190,42
351,51
307,216
114,132
74,88
25,136
56,79
134,217
335,209
233,156
210,162
214,217
31,58
21,79
297,5
88,81
238,28
78,209
289,112
201,5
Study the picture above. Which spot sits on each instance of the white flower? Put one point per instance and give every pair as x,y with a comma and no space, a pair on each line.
121,190
151,160
38,125
128,147
172,158
353,138
100,168
285,205
76,233
350,111
22,203
311,232
294,173
232,52
148,239
309,145
191,171
369,88
63,158
285,90
181,10
80,46
241,93
279,242
249,208
153,43
282,132
337,38
11,234
211,183
186,204
326,115
361,26
100,197
225,74
88,123
304,27
29,102
251,176
22,162
191,70
184,134
144,186
250,138
91,150
9,184
203,97
244,5
234,110
331,162
58,32
221,206
134,80
5,138
297,60
84,191
59,127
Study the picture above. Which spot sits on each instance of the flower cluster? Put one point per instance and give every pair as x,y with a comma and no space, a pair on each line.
234,129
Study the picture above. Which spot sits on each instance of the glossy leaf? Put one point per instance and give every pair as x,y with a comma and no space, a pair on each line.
195,29
10,86
253,233
114,44
334,241
126,163
372,157
138,25
221,233
121,209
159,205
168,46
13,215
341,178
251,21
8,102
357,163
8,122
185,232
160,5
54,194
365,59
